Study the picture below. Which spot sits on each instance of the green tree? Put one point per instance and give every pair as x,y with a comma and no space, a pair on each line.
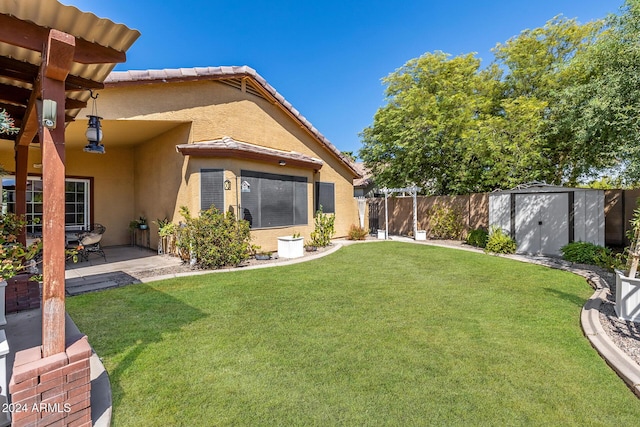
452,127
349,155
603,110
545,65
428,132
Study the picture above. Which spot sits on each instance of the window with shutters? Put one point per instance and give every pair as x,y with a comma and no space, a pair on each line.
325,197
271,200
212,189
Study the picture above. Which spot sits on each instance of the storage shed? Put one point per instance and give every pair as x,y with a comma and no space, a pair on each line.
543,218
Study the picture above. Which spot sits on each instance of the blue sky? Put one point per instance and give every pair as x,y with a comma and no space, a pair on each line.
326,57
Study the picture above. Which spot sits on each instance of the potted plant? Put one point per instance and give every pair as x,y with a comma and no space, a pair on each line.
14,256
263,256
291,246
142,223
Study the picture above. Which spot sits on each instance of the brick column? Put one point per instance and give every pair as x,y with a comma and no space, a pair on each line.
52,391
22,294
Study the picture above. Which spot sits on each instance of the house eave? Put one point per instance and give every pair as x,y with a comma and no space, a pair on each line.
264,155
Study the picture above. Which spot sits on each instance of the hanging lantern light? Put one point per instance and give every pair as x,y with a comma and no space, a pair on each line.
94,130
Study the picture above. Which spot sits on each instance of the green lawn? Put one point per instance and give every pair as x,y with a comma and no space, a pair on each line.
375,334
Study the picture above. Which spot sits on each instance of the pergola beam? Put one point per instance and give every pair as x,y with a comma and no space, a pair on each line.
20,97
30,126
25,72
30,36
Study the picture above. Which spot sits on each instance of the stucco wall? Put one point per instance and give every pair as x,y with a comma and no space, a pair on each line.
165,180
152,179
112,183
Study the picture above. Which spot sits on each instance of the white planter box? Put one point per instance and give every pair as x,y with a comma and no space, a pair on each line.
290,247
627,297
381,234
421,235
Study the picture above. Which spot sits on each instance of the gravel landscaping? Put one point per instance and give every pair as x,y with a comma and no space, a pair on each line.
625,334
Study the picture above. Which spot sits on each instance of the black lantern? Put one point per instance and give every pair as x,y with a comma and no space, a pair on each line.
94,130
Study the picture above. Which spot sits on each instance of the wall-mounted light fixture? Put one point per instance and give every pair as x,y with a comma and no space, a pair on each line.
282,163
94,129
49,113
227,184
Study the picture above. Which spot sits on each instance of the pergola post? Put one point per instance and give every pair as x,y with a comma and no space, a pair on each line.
55,67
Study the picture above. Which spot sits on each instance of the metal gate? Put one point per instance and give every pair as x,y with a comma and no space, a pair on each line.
374,217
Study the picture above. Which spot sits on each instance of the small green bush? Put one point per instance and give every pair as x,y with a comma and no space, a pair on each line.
214,239
592,254
324,229
478,238
446,223
581,252
499,242
357,233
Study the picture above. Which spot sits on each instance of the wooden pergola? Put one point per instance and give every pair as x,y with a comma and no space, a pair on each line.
45,65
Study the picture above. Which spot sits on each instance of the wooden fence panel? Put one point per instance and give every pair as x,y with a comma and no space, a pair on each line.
474,213
473,210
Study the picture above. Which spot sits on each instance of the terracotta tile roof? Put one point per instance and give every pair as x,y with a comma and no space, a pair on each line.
123,78
365,176
229,147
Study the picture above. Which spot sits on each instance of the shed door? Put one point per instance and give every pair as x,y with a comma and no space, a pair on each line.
542,222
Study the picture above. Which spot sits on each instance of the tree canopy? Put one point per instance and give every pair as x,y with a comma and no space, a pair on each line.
559,104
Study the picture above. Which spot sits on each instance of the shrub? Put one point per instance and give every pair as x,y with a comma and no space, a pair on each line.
581,252
590,253
478,238
14,256
214,239
446,222
357,233
499,242
324,229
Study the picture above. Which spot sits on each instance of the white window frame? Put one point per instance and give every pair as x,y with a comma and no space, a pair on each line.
34,204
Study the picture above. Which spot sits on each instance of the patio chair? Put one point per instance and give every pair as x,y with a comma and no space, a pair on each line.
89,242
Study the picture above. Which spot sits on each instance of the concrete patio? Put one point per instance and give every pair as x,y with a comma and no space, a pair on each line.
119,268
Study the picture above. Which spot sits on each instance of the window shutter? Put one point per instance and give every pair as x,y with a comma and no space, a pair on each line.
212,189
325,197
271,200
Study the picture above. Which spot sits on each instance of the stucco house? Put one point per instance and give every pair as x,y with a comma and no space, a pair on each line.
197,137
